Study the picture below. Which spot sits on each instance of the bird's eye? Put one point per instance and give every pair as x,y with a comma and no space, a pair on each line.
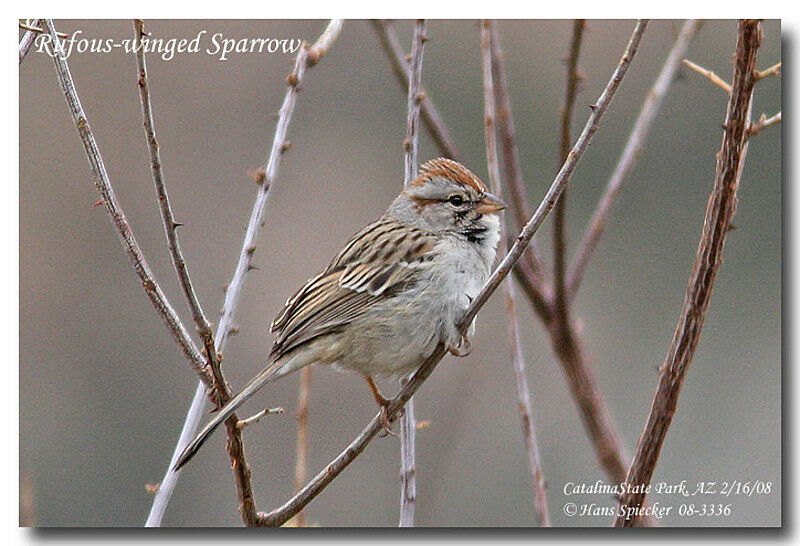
456,200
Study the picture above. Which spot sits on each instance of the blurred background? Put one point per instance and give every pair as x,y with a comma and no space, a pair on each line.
104,388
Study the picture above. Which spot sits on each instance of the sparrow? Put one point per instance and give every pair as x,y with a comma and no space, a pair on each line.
395,291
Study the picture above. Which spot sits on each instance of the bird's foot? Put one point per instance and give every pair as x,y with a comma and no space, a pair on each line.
386,424
463,348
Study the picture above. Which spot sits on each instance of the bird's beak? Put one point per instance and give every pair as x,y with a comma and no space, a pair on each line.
490,204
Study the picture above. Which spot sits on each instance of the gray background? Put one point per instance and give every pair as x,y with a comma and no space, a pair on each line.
103,388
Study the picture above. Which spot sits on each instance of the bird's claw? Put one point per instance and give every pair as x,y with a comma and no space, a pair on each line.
463,348
386,424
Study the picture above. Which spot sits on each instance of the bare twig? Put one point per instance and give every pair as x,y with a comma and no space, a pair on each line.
716,80
559,237
514,341
513,170
233,292
408,426
253,419
168,220
774,70
716,224
762,123
430,116
281,514
633,148
28,38
109,200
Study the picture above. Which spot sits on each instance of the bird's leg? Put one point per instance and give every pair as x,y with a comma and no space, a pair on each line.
463,348
383,403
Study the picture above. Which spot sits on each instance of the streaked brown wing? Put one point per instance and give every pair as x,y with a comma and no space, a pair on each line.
379,260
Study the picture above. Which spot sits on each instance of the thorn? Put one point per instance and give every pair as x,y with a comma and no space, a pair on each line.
101,202
224,288
151,487
592,107
422,425
732,227
286,145
251,250
252,267
176,225
233,330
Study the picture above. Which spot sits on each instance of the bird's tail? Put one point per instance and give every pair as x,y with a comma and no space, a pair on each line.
272,372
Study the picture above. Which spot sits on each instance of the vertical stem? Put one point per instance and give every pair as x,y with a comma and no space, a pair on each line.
430,115
301,457
408,425
512,169
559,236
514,341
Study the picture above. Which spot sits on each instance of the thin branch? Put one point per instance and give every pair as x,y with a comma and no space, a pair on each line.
28,38
513,169
430,116
560,306
774,70
633,148
281,514
408,426
708,260
233,292
514,341
253,419
301,449
109,200
762,123
716,80
167,218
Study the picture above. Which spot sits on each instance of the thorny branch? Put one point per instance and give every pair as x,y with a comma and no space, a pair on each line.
514,341
281,514
232,295
719,213
633,148
408,426
168,219
430,116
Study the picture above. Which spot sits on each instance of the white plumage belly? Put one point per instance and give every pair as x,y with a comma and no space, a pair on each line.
393,338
